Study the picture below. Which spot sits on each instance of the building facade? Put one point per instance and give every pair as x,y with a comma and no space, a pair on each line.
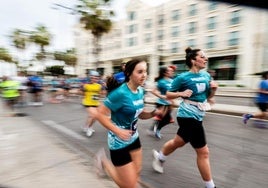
235,38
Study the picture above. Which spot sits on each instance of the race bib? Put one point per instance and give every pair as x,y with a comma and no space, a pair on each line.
205,106
134,126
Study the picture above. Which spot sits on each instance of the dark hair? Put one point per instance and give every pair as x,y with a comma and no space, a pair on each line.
112,83
264,75
190,54
161,73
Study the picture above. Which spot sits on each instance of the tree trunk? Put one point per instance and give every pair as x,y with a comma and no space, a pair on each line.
96,50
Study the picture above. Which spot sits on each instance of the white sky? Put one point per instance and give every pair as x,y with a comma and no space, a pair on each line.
27,14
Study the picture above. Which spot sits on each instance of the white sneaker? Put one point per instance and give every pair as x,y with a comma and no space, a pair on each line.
90,131
99,157
158,134
157,164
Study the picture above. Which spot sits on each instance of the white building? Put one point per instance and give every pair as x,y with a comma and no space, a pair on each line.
7,69
234,37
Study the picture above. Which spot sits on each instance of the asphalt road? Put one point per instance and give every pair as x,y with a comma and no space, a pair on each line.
239,153
241,101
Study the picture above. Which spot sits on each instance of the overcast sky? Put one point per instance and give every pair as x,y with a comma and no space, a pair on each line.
27,14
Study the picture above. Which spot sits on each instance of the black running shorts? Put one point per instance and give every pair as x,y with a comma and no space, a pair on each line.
192,130
122,156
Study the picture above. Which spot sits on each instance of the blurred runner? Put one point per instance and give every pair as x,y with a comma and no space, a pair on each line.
10,93
56,94
163,81
261,100
119,113
23,80
36,89
197,90
92,92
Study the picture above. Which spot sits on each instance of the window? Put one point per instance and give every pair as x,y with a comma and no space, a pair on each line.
192,43
212,5
192,27
233,38
235,17
192,10
160,47
161,19
211,42
181,67
132,41
175,15
174,47
160,34
175,31
148,23
211,23
147,37
225,67
132,28
132,16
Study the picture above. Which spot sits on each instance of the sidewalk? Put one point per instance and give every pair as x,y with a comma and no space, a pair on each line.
32,157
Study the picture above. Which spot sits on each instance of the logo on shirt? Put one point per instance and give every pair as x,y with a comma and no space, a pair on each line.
138,102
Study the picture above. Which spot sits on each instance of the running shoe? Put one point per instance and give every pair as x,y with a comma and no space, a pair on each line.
152,130
158,134
90,131
246,117
99,157
157,164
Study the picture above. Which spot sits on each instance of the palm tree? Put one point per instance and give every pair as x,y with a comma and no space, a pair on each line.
69,57
5,55
19,39
95,18
41,37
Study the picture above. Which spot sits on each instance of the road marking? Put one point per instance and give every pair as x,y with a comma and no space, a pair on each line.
63,129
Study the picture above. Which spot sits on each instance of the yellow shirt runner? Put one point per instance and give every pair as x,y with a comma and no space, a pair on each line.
91,94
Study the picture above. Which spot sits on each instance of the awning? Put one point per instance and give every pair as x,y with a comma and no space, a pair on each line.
260,73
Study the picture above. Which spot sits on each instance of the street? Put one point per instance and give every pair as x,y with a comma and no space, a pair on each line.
238,152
